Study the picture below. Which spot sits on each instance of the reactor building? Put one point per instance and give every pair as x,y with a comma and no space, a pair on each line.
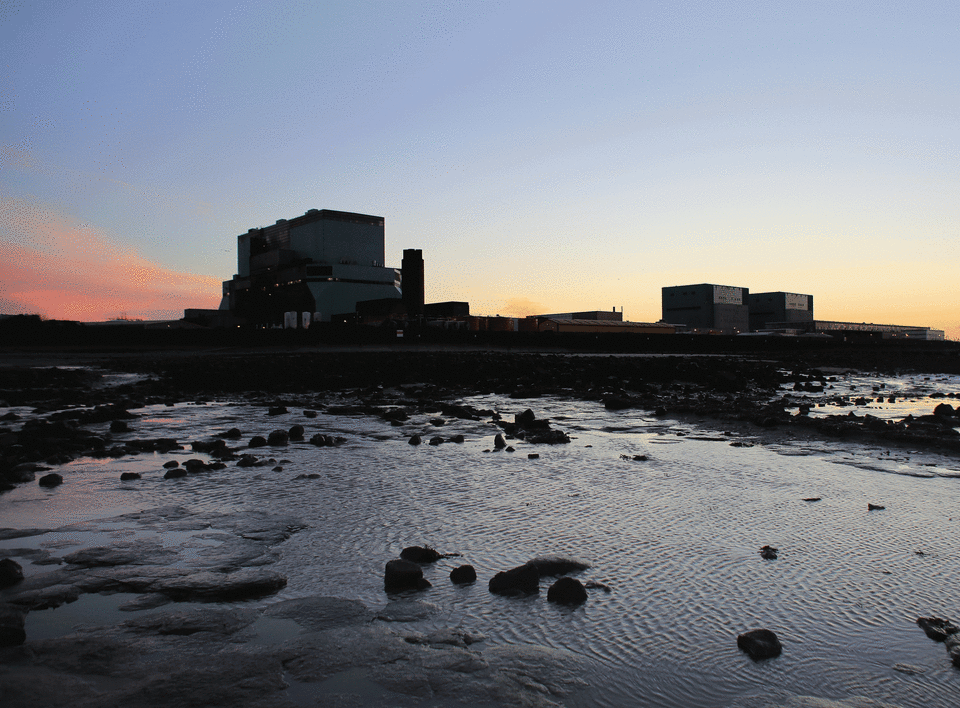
322,263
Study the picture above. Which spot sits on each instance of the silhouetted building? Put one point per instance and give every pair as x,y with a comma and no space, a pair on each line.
612,315
779,307
323,263
860,330
602,326
413,289
449,309
721,309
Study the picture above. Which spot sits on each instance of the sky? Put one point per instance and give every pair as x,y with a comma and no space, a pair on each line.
546,156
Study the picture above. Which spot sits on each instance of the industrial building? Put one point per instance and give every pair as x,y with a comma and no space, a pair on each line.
779,307
322,263
719,309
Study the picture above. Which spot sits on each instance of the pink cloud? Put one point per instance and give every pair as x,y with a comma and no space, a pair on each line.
66,271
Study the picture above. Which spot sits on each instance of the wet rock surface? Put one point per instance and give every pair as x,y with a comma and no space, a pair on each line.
760,644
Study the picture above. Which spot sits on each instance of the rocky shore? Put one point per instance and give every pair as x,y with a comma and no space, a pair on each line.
211,645
760,394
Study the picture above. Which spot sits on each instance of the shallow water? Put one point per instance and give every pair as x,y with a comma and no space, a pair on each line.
675,537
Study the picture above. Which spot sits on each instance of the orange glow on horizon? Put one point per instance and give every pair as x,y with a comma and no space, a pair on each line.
74,273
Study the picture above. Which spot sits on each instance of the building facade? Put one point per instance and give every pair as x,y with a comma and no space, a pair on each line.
779,307
323,262
722,309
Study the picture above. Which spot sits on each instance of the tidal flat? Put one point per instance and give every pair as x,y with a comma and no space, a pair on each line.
256,577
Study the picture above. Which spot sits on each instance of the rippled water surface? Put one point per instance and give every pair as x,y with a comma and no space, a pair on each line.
674,536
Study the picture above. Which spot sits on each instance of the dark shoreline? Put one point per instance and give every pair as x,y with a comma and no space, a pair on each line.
762,392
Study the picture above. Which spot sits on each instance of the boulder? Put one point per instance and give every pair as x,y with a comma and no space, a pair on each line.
403,575
414,440
119,426
171,464
296,432
50,480
944,410
175,473
463,575
499,442
128,476
525,419
436,440
567,591
760,644
768,552
556,565
10,572
257,441
278,437
549,437
421,554
233,433
523,580
277,410
937,629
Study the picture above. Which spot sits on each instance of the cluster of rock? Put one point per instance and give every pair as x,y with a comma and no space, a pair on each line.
406,573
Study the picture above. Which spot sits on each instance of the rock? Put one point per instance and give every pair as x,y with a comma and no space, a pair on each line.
206,586
414,440
12,633
567,591
944,410
457,439
403,575
436,440
171,464
463,575
811,499
50,480
10,572
875,507
309,414
523,580
233,433
278,437
128,476
525,419
421,554
175,473
937,629
549,437
119,426
768,552
296,432
437,422
193,465
760,644
952,642
498,442
277,410
533,456
257,441
556,565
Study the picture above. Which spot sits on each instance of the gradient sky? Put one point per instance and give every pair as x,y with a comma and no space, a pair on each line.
546,156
